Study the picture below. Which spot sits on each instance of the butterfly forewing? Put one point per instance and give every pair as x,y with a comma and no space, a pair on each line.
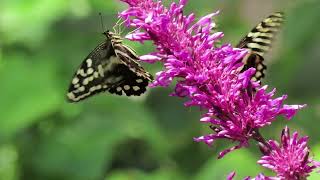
258,41
106,70
88,79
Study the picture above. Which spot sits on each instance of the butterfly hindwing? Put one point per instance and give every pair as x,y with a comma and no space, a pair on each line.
137,78
132,84
105,70
258,41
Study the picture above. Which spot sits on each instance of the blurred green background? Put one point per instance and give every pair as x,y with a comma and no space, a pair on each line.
42,137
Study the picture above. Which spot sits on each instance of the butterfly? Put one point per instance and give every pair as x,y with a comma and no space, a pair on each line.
112,66
258,41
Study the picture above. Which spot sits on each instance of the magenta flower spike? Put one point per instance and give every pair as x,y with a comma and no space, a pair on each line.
290,159
208,76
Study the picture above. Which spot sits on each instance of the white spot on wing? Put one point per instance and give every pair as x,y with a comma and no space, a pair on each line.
85,81
89,62
81,89
139,80
82,73
75,80
100,70
255,45
95,74
92,89
258,74
98,87
119,89
71,96
126,87
90,71
136,88
260,67
91,78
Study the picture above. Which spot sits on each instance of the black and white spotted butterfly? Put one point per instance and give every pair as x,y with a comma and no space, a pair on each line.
258,42
111,66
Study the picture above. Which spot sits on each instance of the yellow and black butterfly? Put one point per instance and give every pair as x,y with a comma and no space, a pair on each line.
111,66
258,41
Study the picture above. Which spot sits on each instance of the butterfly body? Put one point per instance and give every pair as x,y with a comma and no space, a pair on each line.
258,41
111,66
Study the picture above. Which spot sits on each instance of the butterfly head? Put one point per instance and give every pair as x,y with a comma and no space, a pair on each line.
112,36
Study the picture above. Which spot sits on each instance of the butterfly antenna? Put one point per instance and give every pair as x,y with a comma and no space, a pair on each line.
121,30
115,26
101,20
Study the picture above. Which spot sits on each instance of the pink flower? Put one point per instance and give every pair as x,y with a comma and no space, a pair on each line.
207,75
289,159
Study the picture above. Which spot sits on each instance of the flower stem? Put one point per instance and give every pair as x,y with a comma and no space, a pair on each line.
265,147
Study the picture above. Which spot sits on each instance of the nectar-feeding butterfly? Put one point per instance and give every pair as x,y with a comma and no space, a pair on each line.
258,41
112,66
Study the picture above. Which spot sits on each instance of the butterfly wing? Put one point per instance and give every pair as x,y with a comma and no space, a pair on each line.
132,83
90,76
104,70
258,41
137,78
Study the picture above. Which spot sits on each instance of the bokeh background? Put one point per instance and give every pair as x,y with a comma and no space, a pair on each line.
42,137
